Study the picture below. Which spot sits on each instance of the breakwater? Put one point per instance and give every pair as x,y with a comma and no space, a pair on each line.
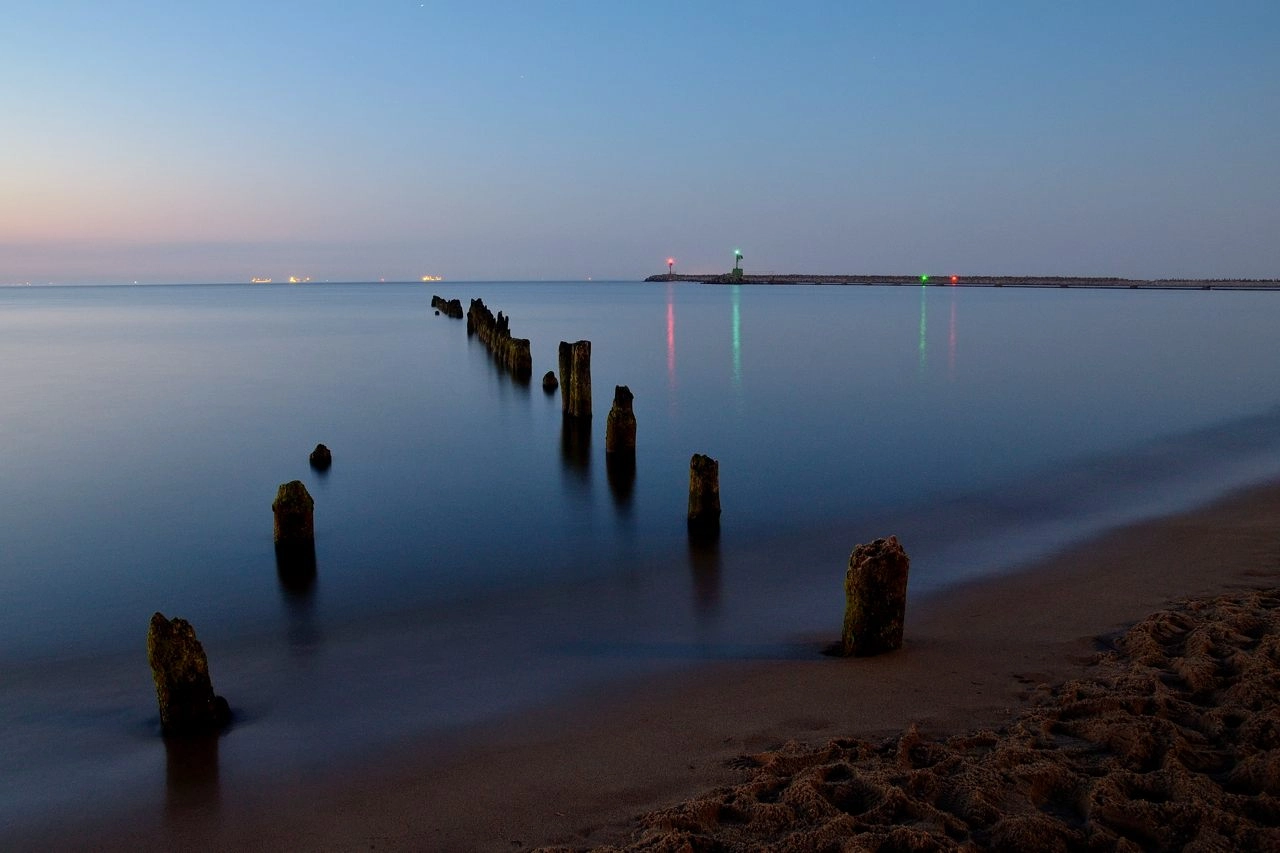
948,280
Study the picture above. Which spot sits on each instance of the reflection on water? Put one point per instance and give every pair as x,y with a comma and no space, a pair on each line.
621,469
924,329
951,339
296,569
736,298
705,566
191,777
671,339
296,565
575,450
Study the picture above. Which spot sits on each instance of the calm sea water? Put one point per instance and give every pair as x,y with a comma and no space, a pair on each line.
472,561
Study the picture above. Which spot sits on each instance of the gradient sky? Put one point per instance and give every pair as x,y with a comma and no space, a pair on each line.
215,141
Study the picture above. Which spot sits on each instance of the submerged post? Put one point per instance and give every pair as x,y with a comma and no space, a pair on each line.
180,670
293,510
704,493
575,379
321,458
875,591
620,428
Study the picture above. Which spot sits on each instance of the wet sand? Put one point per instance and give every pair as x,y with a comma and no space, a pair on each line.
614,767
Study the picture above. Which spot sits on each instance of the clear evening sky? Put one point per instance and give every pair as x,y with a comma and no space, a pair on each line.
216,141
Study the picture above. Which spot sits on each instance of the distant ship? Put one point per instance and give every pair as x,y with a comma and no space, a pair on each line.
259,281
433,278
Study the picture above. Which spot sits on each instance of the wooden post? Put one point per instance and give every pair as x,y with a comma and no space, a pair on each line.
293,510
620,428
875,591
704,493
575,379
180,670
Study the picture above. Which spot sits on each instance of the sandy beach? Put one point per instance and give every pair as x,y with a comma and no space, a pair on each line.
613,768
1167,742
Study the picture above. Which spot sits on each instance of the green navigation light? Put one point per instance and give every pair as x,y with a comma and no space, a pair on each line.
924,278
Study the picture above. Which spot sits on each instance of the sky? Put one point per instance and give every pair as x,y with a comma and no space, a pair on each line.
219,141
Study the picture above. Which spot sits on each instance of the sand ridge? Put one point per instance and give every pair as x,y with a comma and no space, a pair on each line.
1170,741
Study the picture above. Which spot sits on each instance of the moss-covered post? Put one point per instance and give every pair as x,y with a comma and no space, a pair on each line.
875,593
293,509
620,428
180,670
575,379
704,493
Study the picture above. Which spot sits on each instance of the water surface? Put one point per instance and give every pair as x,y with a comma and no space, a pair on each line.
474,558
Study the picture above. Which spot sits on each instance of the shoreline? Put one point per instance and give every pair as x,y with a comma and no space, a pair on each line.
1165,741
583,771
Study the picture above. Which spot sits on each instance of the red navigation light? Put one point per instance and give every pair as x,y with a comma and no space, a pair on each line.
670,261
954,279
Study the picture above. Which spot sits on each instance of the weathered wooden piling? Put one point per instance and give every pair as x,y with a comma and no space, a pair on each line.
450,307
549,382
294,515
321,458
875,592
575,379
180,670
704,493
620,427
495,333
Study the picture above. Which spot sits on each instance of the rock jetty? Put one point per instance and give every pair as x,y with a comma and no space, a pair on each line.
946,279
449,308
180,670
575,379
495,333
875,593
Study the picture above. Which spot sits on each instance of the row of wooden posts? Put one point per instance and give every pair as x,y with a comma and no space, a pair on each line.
875,583
876,578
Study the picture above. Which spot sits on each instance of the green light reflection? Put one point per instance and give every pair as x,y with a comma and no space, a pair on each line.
924,325
737,336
